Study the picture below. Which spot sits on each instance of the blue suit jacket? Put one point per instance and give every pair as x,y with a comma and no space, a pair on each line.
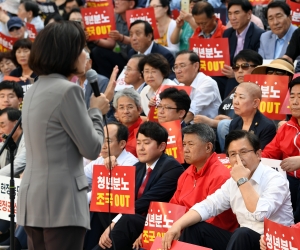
252,39
261,126
157,48
161,185
268,42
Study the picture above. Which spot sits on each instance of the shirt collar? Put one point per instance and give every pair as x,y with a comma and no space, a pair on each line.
210,34
122,157
284,37
148,51
244,32
258,173
151,166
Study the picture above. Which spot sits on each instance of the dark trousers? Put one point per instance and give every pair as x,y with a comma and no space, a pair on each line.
104,60
207,235
63,238
295,196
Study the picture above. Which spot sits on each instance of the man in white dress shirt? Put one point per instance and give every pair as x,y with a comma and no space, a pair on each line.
254,192
118,136
205,95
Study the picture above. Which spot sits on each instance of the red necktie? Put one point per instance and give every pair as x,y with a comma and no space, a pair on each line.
142,187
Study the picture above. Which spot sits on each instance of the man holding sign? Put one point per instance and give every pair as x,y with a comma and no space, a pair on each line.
254,192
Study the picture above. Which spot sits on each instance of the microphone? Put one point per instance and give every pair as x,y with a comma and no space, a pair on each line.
92,76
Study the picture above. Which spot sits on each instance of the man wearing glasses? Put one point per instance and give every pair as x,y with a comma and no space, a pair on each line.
205,95
254,192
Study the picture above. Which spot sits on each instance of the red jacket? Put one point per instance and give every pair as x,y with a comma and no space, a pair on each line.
131,142
218,33
194,187
285,144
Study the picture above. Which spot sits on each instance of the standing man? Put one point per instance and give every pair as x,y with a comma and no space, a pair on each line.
254,192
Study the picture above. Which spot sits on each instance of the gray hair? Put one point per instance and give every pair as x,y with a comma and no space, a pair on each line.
204,132
129,92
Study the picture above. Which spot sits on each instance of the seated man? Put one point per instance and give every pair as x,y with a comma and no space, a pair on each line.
253,192
141,40
127,104
8,119
11,95
117,138
174,105
285,146
155,180
205,95
205,175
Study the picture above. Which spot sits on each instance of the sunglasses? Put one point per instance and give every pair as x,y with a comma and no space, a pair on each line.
244,66
278,72
14,28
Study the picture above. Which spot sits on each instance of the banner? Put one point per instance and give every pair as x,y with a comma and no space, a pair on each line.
224,160
98,3
159,219
122,189
295,12
98,21
281,237
213,53
47,7
221,13
274,89
4,196
176,245
174,144
259,2
32,33
6,42
146,14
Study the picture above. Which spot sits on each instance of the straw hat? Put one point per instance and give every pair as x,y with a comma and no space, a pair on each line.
275,64
10,6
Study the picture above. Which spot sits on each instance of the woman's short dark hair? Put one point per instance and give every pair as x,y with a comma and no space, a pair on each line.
179,97
155,131
122,133
248,55
31,6
245,4
64,42
241,134
165,3
55,16
148,28
23,44
5,55
156,61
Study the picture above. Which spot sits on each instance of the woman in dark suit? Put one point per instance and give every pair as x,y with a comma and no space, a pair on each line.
59,132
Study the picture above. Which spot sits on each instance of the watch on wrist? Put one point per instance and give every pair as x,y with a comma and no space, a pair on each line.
241,181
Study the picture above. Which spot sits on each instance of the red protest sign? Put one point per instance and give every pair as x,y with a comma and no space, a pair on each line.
281,237
98,3
152,115
285,109
259,2
98,21
176,245
6,42
224,160
295,12
159,219
32,33
174,144
146,14
122,189
213,53
274,89
175,14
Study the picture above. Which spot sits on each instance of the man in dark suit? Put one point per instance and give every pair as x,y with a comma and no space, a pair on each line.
156,180
141,40
243,34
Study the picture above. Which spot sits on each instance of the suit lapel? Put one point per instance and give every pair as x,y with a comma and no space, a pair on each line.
248,36
140,173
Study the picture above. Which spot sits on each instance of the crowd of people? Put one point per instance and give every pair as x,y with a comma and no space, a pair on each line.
63,134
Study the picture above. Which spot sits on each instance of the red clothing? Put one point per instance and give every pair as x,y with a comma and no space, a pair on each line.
131,142
194,187
218,33
285,144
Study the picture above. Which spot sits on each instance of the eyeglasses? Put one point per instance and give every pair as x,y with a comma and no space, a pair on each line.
161,107
126,68
152,72
241,153
180,66
155,6
278,72
244,66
